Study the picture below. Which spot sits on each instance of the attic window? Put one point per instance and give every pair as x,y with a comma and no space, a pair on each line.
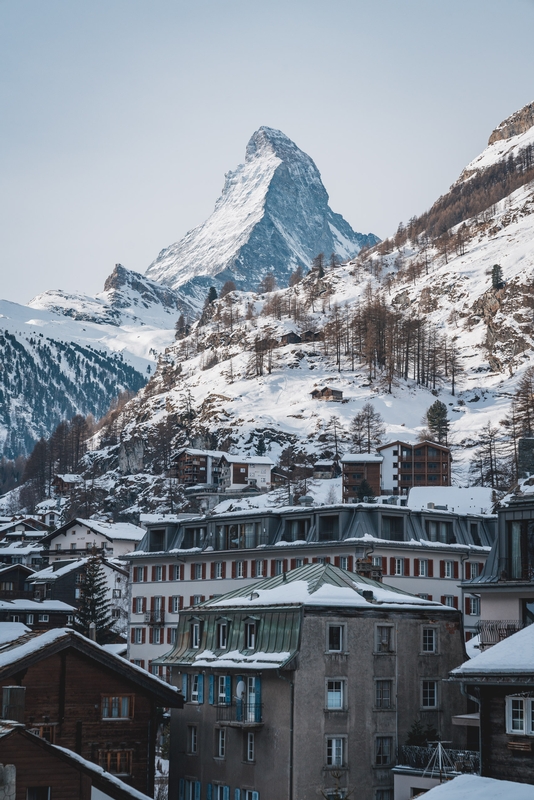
250,635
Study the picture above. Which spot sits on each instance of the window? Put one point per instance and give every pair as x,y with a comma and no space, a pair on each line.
115,613
474,606
73,546
43,618
385,794
449,600
6,586
383,750
116,593
429,698
224,693
474,569
195,635
260,569
219,570
117,706
192,739
278,566
157,636
29,619
429,640
399,566
46,732
335,695
384,638
175,604
250,794
220,735
423,567
173,635
251,748
377,561
240,571
250,635
222,630
344,562
38,793
383,694
175,572
335,752
139,574
335,638
158,573
520,714
448,568
195,688
137,635
392,528
197,598
328,528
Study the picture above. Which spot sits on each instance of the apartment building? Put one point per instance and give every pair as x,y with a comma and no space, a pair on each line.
182,562
81,537
407,464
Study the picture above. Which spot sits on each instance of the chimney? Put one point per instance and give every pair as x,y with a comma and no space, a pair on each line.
92,631
13,703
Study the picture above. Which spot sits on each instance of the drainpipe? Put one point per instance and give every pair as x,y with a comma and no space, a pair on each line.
291,728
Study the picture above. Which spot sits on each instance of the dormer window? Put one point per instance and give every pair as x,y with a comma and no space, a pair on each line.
195,635
250,633
222,634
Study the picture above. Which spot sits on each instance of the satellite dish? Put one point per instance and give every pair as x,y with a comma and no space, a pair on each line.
240,690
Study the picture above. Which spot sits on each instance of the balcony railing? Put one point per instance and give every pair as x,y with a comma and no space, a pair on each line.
155,617
420,757
240,713
492,631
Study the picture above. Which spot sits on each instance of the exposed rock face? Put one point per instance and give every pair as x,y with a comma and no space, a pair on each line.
272,215
122,284
519,122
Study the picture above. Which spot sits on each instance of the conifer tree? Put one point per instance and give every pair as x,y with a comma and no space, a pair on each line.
366,429
365,492
94,604
438,421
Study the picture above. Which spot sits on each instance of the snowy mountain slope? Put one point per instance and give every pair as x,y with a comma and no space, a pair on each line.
65,354
272,215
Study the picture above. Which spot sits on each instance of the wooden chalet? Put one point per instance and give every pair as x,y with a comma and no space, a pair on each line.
290,338
311,336
37,615
34,769
79,696
327,393
357,468
63,485
14,582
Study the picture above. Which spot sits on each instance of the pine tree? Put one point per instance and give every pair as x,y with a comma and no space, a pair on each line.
366,429
496,276
94,605
318,265
365,492
438,421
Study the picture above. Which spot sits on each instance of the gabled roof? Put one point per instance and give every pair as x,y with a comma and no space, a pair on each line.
361,458
191,451
512,657
320,585
111,530
33,647
413,445
54,572
247,459
108,784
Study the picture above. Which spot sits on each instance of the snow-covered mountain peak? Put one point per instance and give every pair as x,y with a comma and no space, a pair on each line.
272,216
517,123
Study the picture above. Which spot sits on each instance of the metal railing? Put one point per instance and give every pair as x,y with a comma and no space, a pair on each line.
155,617
492,631
240,713
419,758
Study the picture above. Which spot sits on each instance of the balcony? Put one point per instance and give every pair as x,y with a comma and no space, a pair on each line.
156,617
241,715
492,631
464,761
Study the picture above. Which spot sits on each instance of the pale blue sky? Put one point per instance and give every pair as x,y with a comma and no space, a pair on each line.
119,118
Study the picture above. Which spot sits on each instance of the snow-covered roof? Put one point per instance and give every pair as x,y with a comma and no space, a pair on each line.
321,585
53,572
473,500
232,459
38,606
512,656
20,548
68,478
191,451
361,458
11,631
112,530
476,787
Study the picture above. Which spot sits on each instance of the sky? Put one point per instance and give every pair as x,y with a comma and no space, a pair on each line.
119,118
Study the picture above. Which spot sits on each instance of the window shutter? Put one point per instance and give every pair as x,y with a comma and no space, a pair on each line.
234,569
143,635
144,604
467,573
181,790
224,569
133,604
327,560
153,573
182,571
455,569
252,569
467,605
257,710
152,603
180,602
170,604
293,563
284,565
239,703
384,565
209,792
237,794
145,573
416,567
204,571
406,566
350,564
211,690
255,796
191,600
202,598
192,576
228,690
314,560
455,601
184,685
392,566
480,567
226,793
151,636
212,573
132,636
430,568
273,567
443,599
441,569
430,597
197,790
245,568
168,635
